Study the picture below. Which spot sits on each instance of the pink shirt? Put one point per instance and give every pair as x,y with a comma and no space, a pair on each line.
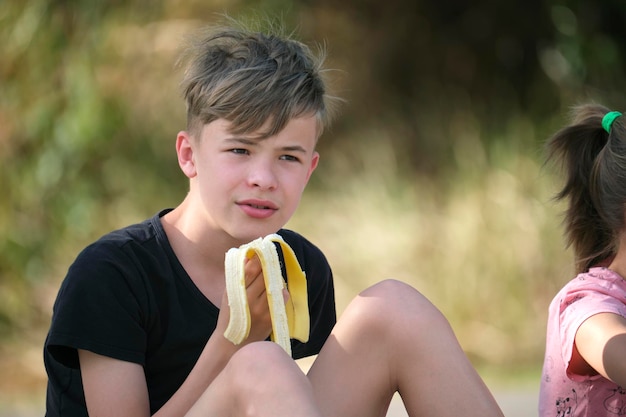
563,393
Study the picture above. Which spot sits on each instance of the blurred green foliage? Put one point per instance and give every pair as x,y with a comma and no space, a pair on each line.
459,94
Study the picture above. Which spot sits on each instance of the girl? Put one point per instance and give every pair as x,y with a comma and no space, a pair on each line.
584,368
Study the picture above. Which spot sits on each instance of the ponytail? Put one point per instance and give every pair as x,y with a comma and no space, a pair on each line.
593,159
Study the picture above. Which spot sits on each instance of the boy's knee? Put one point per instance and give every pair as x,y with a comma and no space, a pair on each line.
398,295
258,373
395,304
254,357
387,288
259,362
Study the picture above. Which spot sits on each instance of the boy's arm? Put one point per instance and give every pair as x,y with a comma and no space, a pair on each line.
116,388
601,342
113,387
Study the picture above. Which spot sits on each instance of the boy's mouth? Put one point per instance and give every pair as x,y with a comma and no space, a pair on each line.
257,209
256,206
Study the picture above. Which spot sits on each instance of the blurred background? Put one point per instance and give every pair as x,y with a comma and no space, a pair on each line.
432,173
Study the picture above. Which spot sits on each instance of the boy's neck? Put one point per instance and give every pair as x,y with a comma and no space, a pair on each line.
200,252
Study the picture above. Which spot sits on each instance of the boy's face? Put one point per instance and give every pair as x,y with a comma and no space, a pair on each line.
249,187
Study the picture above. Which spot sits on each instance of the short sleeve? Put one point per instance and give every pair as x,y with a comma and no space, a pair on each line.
585,299
101,307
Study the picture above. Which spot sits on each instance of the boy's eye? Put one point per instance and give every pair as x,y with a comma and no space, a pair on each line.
289,158
239,151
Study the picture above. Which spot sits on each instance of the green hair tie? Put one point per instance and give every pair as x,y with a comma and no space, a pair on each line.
608,119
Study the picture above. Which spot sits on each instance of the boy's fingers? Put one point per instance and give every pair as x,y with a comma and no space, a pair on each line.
255,283
253,270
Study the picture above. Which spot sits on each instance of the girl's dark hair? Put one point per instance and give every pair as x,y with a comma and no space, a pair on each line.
594,164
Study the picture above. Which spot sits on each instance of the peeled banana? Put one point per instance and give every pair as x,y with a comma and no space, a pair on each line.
290,319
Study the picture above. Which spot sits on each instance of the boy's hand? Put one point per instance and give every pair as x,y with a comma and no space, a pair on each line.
260,319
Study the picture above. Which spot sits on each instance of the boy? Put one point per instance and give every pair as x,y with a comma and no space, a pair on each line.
138,325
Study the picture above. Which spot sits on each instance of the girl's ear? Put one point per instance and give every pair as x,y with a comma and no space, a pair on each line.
184,150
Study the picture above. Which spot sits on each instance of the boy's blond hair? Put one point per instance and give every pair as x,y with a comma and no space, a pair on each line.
254,79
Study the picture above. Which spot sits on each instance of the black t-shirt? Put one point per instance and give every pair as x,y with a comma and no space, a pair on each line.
127,296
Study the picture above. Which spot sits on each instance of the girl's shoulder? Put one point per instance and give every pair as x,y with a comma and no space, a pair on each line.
597,287
597,277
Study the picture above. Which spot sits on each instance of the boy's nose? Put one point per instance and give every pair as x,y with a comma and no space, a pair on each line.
263,175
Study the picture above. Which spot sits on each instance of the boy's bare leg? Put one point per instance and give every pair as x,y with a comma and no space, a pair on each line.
391,338
259,380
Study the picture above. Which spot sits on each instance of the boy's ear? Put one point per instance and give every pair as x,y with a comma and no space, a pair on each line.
314,161
184,150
